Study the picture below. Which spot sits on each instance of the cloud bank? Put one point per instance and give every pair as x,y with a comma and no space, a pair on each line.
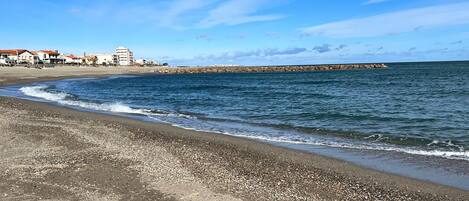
181,14
395,22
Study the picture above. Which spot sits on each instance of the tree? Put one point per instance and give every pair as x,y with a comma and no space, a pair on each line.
91,60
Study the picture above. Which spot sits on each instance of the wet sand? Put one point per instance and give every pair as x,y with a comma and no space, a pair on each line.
50,152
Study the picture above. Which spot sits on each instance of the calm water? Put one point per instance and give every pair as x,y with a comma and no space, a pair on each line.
414,108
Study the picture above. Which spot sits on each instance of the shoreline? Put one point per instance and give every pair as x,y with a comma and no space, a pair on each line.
22,75
232,166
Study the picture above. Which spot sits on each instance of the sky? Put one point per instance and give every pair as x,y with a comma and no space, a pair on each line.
245,32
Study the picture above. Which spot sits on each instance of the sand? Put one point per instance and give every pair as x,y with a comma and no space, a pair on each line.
23,75
55,153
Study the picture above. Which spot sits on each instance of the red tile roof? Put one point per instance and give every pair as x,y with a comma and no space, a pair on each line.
72,57
13,52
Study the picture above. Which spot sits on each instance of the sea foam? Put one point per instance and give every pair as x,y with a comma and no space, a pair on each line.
63,98
66,99
116,107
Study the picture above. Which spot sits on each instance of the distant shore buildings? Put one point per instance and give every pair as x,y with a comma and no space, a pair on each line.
122,56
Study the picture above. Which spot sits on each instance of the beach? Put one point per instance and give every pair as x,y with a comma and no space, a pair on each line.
56,153
16,75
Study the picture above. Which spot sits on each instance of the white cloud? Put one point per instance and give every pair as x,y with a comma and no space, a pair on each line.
180,14
181,7
174,14
234,12
395,22
374,2
267,52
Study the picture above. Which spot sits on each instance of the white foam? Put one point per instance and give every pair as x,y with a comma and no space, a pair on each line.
459,155
61,98
456,155
38,91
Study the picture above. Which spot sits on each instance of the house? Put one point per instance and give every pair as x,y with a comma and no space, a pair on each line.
125,56
4,58
11,55
27,57
50,56
71,59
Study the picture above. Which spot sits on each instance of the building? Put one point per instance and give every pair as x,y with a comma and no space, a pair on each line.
49,56
11,56
144,62
141,62
8,56
4,59
27,57
71,59
18,56
125,57
90,60
107,59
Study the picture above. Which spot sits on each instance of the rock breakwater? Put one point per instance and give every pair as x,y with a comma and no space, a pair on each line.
255,69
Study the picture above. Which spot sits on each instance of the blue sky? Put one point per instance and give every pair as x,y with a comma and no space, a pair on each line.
249,32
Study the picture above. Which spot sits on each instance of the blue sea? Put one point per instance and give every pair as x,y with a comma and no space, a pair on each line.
413,109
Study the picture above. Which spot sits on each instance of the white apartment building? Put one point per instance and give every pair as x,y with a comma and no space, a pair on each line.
125,57
107,59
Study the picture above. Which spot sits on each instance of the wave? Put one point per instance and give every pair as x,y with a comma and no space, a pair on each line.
457,155
44,92
71,100
312,82
336,143
66,99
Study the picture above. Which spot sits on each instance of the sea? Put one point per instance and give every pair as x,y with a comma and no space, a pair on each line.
410,119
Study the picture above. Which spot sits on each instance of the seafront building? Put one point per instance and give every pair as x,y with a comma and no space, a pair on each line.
49,56
22,56
144,62
27,57
4,59
106,59
125,56
122,56
17,56
71,59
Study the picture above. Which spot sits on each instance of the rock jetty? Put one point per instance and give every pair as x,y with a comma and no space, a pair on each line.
255,69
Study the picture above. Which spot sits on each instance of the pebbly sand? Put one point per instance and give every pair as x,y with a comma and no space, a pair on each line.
15,75
53,153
